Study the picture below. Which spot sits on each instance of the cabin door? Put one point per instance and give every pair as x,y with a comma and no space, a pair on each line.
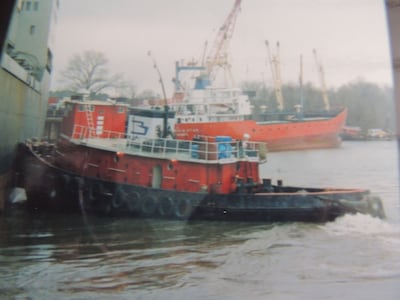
157,177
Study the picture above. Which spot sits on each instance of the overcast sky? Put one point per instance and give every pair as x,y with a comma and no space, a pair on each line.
350,37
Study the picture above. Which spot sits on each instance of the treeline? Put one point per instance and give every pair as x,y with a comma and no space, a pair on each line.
369,105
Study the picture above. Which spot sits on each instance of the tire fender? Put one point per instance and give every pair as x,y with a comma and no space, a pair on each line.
133,201
149,205
165,206
119,198
183,208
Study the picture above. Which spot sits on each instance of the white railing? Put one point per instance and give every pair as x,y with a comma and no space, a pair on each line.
202,148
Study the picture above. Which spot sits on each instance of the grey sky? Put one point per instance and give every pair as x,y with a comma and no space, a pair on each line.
349,35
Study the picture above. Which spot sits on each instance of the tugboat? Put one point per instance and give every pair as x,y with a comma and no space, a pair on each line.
100,167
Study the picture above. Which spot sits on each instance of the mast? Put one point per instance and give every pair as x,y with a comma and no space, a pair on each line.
276,75
322,80
393,13
301,108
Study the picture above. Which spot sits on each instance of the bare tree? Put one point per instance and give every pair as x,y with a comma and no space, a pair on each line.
89,71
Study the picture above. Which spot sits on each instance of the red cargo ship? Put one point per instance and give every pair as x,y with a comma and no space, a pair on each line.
294,134
211,111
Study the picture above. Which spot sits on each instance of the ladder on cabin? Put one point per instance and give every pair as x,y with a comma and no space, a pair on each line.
90,123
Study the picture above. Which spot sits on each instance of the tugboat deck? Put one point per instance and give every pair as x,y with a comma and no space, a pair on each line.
201,151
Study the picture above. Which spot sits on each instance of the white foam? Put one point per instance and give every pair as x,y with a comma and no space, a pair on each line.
361,224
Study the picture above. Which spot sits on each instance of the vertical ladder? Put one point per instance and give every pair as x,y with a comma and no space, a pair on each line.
89,118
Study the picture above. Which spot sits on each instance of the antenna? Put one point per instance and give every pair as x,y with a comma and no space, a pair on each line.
301,108
165,131
159,75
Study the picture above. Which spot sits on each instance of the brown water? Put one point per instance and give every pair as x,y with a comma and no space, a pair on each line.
48,256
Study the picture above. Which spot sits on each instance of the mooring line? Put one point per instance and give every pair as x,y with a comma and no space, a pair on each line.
102,247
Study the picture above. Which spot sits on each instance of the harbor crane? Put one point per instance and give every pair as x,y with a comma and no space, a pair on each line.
322,81
216,58
218,55
274,61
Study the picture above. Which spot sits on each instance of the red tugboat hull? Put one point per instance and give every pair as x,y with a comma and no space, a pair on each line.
51,187
139,173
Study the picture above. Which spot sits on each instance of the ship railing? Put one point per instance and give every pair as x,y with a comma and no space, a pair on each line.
210,149
201,150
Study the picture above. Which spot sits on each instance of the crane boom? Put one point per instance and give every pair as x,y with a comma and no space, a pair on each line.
218,56
322,79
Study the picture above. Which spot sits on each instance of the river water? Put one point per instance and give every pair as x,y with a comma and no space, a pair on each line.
56,256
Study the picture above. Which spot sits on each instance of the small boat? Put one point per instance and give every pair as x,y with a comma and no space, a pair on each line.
377,134
143,172
352,133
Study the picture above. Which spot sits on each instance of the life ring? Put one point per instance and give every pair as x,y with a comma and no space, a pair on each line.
133,201
149,205
165,206
119,198
183,208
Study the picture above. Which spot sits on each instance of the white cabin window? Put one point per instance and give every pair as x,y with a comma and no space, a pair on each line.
83,107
